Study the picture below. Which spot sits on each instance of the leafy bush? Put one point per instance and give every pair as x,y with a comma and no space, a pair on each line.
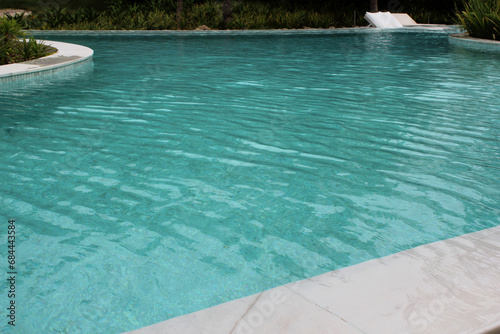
6,51
10,29
161,14
481,18
209,14
246,14
13,50
30,49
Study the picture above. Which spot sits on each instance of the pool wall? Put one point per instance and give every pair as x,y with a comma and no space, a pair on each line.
67,56
474,43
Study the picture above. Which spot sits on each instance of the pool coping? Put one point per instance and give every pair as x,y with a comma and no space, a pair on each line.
464,40
418,27
449,286
67,55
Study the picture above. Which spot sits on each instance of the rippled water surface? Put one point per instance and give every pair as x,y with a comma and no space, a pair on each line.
178,172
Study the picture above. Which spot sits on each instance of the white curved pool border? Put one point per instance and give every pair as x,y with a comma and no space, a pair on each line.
474,43
67,56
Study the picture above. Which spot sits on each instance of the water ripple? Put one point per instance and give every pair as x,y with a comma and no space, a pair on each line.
148,190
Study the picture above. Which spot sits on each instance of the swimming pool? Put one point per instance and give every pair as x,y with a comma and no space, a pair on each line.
182,171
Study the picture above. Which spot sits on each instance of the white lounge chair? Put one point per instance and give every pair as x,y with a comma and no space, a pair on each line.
387,20
404,19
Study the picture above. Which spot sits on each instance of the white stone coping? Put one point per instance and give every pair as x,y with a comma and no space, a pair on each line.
67,54
475,43
446,287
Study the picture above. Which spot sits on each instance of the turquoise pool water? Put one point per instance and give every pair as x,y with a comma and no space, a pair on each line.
177,172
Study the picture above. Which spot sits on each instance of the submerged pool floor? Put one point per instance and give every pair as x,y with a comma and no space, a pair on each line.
182,171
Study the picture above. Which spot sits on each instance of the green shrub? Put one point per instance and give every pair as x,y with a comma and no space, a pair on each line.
10,29
481,18
29,49
6,51
209,14
159,14
12,49
246,14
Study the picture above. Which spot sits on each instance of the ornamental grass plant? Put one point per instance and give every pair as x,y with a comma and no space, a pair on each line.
13,49
481,18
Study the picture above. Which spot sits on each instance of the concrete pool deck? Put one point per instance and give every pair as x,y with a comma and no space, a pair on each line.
450,286
67,55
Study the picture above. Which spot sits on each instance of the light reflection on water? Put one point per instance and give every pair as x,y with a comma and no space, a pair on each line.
179,172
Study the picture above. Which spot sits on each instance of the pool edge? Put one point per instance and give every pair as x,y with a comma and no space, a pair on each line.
434,28
67,56
480,44
433,288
